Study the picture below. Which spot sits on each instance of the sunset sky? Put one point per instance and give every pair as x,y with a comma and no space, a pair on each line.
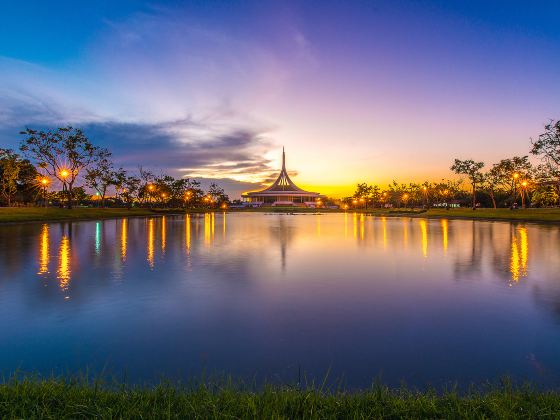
355,90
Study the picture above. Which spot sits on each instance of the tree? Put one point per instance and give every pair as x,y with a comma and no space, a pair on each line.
491,183
217,194
509,172
363,193
471,169
62,153
101,174
130,189
547,147
10,166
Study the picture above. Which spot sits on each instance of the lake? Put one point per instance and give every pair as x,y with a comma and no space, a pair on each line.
282,297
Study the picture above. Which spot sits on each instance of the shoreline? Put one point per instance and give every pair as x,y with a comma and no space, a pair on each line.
70,398
25,215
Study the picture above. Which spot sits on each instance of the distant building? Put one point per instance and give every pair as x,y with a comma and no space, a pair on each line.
283,193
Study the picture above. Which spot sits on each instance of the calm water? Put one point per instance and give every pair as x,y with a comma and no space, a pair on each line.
269,296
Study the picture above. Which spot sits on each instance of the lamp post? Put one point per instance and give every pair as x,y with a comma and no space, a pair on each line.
151,189
44,184
515,176
405,198
64,175
523,192
425,189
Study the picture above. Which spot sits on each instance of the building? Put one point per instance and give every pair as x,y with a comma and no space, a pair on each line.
283,192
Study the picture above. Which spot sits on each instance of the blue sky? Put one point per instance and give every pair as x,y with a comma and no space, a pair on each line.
356,90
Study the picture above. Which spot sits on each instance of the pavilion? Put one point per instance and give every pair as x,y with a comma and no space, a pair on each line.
283,193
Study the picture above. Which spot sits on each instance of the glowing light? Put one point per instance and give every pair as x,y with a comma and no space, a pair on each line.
44,181
524,183
519,255
64,173
64,271
151,235
44,256
362,226
97,238
163,234
188,233
515,175
424,230
524,245
445,227
124,238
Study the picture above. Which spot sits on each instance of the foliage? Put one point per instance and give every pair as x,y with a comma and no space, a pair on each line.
547,145
101,174
62,153
471,169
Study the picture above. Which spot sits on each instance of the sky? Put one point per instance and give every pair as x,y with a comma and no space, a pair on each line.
354,90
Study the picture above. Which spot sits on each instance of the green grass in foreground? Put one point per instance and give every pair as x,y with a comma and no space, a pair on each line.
62,399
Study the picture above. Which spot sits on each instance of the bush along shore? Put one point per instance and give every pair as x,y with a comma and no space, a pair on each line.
63,398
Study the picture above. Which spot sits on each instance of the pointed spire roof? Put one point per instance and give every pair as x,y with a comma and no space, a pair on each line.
283,182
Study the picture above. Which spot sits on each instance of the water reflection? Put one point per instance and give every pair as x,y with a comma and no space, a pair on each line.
269,292
124,238
445,234
44,256
64,263
424,228
163,234
150,242
188,233
519,254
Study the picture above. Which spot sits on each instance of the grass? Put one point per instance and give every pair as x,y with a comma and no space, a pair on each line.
39,214
525,215
60,399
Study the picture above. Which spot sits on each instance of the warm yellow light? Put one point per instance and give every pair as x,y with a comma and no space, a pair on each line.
524,183
64,173
355,201
516,175
151,187
405,196
163,195
446,192
425,188
224,206
44,181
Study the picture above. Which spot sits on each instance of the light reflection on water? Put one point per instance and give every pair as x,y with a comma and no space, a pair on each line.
420,300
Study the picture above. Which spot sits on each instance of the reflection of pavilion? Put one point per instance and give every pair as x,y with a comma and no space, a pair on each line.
283,192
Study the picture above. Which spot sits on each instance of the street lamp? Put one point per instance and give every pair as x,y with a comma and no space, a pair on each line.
405,198
523,192
44,184
515,176
64,174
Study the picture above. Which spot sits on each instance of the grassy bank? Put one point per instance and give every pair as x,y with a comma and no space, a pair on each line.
525,215
39,214
60,399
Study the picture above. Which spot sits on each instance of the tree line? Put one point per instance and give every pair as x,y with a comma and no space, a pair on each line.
511,182
65,156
